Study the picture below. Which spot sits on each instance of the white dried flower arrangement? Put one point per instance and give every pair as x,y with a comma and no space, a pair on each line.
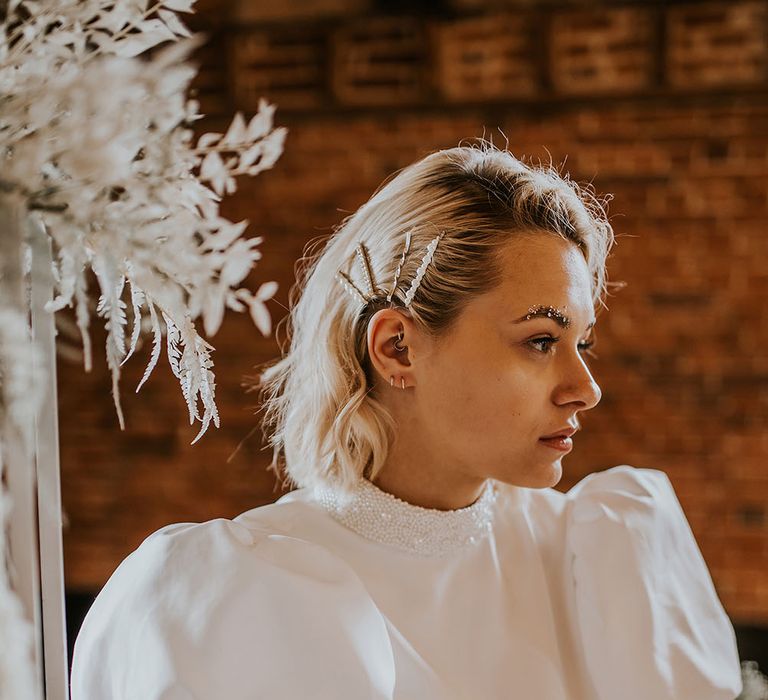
97,142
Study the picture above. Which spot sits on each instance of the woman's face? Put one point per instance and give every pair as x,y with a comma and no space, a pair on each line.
485,394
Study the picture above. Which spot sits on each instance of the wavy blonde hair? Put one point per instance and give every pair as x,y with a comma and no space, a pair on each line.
321,418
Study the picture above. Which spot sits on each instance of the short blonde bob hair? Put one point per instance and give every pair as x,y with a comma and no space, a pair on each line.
321,417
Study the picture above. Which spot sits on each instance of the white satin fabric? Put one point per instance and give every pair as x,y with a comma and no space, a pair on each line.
597,594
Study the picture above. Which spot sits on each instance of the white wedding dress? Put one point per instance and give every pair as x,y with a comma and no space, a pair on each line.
600,593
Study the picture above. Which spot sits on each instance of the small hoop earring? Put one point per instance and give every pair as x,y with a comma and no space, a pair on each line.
392,382
399,340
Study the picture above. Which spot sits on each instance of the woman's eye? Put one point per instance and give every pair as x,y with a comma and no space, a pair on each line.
585,348
547,342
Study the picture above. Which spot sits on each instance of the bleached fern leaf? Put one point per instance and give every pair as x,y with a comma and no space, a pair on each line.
156,343
172,345
137,300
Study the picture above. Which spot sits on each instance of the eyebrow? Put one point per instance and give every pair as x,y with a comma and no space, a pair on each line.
549,312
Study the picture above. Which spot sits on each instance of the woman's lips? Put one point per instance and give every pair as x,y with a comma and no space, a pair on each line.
564,444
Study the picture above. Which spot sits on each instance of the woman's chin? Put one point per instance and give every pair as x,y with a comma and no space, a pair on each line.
541,476
550,474
557,473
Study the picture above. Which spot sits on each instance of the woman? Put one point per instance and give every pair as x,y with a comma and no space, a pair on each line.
436,374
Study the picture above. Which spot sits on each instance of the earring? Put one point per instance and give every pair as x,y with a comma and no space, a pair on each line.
392,382
399,340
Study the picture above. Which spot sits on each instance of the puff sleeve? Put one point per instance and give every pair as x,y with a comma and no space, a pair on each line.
206,611
650,622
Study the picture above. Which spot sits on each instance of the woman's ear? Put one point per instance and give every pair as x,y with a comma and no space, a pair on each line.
390,337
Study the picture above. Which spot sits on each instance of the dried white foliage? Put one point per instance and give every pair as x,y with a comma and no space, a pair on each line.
754,682
21,392
98,140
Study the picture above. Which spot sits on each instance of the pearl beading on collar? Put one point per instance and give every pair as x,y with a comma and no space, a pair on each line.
428,532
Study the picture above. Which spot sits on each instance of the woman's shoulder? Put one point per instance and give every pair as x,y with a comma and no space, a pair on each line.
271,536
235,597
625,498
261,537
179,552
218,557
649,617
615,495
626,484
632,508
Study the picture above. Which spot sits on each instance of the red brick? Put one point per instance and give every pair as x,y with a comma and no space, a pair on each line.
717,43
486,57
381,60
287,66
247,11
601,50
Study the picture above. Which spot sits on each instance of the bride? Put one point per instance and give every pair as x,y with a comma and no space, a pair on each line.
437,372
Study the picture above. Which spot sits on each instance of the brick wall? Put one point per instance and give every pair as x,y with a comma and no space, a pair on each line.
664,104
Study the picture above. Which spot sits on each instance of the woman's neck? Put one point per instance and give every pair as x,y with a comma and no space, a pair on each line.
429,488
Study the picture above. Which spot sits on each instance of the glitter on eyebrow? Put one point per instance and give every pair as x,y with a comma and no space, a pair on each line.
550,311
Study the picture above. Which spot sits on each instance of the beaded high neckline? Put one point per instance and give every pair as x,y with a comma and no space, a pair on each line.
382,517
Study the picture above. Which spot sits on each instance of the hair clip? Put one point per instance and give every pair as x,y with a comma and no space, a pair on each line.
400,264
422,269
364,262
351,287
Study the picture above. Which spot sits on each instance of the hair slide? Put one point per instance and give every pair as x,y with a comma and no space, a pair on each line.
351,287
422,269
400,264
365,263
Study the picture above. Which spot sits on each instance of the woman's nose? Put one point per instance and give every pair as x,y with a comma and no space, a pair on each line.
594,393
580,386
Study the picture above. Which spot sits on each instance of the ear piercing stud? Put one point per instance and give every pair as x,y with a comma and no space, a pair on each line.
399,349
